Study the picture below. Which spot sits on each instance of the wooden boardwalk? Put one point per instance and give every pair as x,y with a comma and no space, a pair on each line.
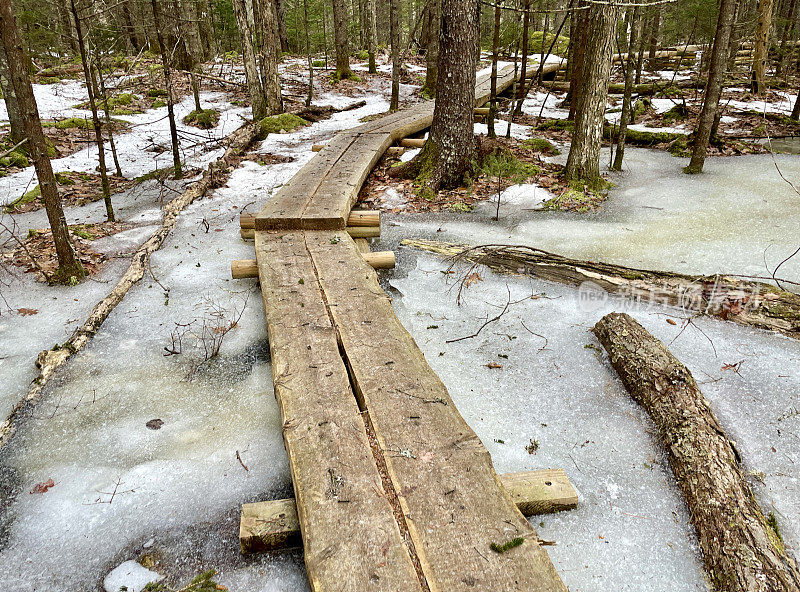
394,491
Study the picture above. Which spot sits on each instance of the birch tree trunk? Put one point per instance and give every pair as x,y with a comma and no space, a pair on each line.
68,264
583,162
716,74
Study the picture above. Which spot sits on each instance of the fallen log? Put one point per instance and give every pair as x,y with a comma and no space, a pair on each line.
49,361
732,298
742,550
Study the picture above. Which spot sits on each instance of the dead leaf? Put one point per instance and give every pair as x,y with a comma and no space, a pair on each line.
24,312
671,322
43,486
472,278
494,365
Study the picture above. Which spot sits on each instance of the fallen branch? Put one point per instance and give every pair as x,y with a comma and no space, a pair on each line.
749,303
49,361
742,549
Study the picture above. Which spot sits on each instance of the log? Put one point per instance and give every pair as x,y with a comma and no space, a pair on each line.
380,259
244,268
317,147
395,151
412,142
354,231
271,525
248,268
727,297
362,244
356,218
482,111
742,550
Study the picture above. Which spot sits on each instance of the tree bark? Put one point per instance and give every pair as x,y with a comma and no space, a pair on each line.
68,265
655,32
761,54
98,128
433,26
371,34
107,116
12,105
340,35
747,303
394,26
281,16
583,161
786,29
578,36
526,22
493,89
716,74
257,98
742,552
796,109
176,157
451,146
270,51
625,116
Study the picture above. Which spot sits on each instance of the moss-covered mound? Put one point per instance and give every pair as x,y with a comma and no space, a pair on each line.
203,118
285,122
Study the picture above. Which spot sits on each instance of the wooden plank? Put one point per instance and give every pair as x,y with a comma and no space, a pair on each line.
270,525
351,539
338,191
286,209
450,495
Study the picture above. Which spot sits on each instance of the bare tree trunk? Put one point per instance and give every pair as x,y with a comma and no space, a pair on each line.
716,74
495,49
655,32
371,34
796,110
340,35
742,552
636,27
107,113
130,30
583,162
578,33
176,157
280,15
68,264
526,22
394,25
98,128
270,50
761,54
786,29
434,25
310,95
257,98
12,105
451,146
194,46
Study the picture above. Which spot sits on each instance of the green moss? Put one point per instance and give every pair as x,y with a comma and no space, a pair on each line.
154,174
204,119
557,124
27,197
15,158
460,207
774,532
678,112
640,107
49,80
680,148
363,55
338,77
70,123
542,145
82,234
560,48
156,92
279,123
158,103
318,63
515,542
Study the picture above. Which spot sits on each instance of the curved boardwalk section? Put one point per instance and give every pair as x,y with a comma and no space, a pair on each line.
394,491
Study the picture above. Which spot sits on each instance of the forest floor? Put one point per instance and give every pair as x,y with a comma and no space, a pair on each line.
137,459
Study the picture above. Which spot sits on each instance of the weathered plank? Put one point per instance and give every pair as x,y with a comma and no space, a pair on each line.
286,209
337,193
451,497
351,539
273,524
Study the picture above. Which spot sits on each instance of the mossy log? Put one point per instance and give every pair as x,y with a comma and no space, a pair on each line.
749,303
742,550
51,360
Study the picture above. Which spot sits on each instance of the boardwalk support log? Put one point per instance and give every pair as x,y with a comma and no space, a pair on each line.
353,231
356,218
270,525
412,142
742,549
248,268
